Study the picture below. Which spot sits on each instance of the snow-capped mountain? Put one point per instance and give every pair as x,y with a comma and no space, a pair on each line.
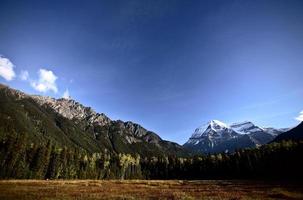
216,136
214,129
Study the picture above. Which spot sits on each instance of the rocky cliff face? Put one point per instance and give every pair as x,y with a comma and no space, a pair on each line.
73,110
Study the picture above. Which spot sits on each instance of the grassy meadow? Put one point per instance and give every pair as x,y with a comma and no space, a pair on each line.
145,189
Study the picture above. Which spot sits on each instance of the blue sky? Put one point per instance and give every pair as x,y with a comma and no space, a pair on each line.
168,65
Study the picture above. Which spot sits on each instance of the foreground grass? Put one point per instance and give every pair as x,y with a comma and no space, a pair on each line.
142,189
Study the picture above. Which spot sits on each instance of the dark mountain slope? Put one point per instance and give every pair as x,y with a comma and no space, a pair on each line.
293,134
68,123
19,113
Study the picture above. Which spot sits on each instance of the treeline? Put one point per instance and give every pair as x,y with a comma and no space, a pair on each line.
273,161
21,160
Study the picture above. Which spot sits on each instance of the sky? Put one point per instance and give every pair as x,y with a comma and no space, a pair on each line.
168,65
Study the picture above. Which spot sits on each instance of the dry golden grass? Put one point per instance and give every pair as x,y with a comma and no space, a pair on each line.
142,189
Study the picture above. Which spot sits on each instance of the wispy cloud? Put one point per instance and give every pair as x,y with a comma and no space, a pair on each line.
24,75
46,82
66,94
7,69
300,117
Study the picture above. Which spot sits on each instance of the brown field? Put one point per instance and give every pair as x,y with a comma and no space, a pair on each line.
141,189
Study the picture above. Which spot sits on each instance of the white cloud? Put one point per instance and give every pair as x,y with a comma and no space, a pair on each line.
66,94
24,75
46,82
7,69
300,117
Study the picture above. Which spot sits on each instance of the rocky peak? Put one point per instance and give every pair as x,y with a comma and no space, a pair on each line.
18,94
71,109
136,129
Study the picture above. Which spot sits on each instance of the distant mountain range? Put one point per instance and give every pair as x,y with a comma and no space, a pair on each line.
66,122
216,136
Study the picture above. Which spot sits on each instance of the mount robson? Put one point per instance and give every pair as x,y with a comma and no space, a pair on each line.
46,138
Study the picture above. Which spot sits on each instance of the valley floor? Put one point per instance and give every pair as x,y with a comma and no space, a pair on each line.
143,189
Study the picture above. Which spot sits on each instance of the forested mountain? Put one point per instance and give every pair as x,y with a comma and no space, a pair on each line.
67,123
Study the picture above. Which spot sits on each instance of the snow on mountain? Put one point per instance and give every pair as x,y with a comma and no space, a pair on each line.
213,125
213,130
216,136
245,127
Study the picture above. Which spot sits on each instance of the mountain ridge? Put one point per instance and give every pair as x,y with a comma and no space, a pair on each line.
68,122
